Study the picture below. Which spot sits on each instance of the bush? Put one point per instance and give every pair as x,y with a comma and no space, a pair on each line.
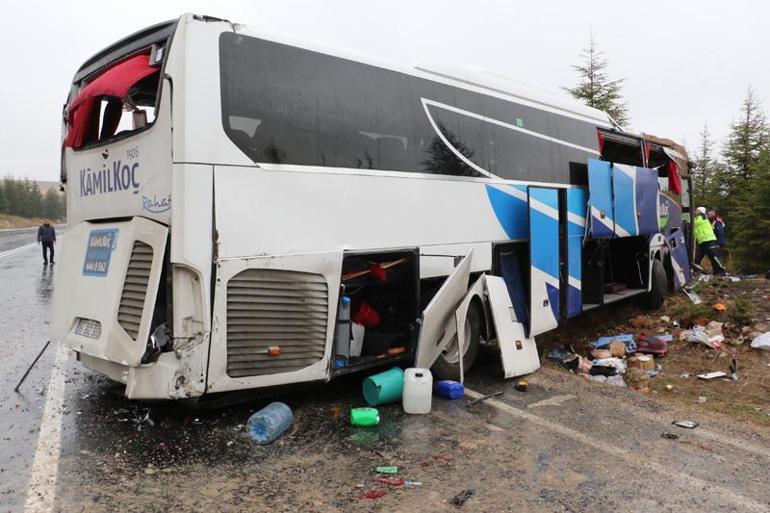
742,312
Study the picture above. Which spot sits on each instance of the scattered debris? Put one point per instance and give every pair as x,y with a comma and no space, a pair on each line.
669,387
522,385
363,417
386,470
390,481
669,436
269,423
373,494
665,318
720,307
450,389
694,297
483,398
762,341
712,375
702,399
461,498
412,483
686,424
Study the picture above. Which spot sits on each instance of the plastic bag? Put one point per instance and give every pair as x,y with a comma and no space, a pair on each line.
762,341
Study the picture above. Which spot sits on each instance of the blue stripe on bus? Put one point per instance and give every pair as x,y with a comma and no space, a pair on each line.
511,212
545,247
600,187
553,299
625,201
574,301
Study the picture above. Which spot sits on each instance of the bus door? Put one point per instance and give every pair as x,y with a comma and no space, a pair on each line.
635,200
544,258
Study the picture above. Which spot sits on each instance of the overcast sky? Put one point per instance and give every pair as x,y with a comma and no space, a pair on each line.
685,63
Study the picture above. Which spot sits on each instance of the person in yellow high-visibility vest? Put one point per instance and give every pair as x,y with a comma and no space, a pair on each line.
706,241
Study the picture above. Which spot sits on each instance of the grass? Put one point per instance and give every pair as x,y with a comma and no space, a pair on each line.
8,221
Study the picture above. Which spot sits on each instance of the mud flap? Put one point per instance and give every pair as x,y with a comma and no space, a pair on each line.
544,277
518,353
437,323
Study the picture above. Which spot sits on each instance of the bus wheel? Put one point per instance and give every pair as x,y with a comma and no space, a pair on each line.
448,364
659,285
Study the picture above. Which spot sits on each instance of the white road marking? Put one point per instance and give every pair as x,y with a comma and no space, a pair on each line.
685,480
41,491
16,250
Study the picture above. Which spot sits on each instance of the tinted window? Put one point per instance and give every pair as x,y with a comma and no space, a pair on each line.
283,104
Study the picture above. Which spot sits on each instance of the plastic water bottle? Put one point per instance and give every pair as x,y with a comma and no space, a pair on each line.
268,423
342,333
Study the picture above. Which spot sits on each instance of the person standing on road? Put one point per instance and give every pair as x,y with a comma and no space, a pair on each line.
719,230
46,235
706,241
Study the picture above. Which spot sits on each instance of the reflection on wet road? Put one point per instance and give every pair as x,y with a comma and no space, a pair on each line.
562,446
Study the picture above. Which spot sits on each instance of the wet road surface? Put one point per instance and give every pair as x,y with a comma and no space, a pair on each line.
564,445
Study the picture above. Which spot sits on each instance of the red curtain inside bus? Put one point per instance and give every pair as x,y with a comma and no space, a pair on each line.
674,182
115,82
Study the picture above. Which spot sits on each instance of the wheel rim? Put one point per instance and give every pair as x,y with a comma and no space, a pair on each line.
451,353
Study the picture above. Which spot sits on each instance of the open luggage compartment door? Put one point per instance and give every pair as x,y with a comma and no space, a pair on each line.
438,319
600,197
544,258
518,353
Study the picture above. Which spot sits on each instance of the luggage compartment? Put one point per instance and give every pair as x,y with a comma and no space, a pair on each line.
383,292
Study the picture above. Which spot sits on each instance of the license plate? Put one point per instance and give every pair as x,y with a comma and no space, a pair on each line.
89,328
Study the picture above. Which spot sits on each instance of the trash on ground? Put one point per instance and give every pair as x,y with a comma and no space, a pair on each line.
418,391
386,470
363,417
702,399
617,348
644,362
626,338
639,380
373,494
269,423
390,481
461,498
665,318
687,424
450,389
708,337
712,375
483,398
651,345
385,387
719,307
412,483
670,436
669,387
762,341
522,385
616,363
694,297
599,354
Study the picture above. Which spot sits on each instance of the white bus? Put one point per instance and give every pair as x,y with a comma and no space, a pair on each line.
231,195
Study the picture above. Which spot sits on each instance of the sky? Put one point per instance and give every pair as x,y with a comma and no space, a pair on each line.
685,63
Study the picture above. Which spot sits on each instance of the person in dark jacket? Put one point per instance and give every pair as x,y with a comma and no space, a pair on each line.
719,229
46,235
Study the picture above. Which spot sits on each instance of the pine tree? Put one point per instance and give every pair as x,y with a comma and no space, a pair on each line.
51,205
750,220
35,200
11,188
748,136
595,88
703,172
3,200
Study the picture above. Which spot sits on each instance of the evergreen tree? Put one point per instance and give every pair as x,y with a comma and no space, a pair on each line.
11,189
35,200
595,88
748,136
51,205
704,159
750,219
3,200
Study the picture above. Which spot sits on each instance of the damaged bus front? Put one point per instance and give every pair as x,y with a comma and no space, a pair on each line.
113,286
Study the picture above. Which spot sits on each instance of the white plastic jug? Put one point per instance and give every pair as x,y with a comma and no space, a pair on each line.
418,390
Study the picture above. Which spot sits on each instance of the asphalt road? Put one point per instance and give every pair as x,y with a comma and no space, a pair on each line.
70,442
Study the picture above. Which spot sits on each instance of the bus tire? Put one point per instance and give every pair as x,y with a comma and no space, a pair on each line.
447,365
659,284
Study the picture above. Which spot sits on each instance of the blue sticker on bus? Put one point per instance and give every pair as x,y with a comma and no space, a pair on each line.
101,243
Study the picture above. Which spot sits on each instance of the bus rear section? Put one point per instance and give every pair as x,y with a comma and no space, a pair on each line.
112,301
